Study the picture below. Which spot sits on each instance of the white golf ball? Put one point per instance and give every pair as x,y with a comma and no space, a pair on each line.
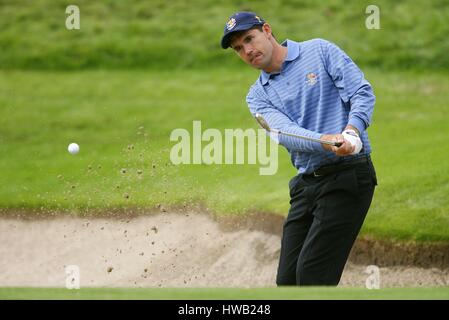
73,148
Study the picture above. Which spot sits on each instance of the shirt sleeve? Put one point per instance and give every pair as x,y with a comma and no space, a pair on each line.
351,84
276,119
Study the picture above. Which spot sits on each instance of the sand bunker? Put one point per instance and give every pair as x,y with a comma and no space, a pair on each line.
163,250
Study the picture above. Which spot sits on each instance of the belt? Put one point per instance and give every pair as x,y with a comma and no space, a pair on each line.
336,167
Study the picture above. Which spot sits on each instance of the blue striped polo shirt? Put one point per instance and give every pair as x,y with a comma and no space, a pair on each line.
319,90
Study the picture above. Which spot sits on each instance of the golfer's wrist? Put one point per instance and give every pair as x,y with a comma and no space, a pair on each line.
356,124
326,137
350,127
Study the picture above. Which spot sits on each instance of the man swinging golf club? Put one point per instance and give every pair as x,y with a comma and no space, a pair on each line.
315,101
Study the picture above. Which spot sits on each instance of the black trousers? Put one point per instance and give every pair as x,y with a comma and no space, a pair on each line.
324,219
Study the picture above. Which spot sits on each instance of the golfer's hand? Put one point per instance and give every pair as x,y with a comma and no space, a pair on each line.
345,149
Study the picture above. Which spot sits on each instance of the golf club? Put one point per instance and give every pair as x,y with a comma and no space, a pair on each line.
265,125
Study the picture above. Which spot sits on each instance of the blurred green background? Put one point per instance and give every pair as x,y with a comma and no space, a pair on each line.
178,34
136,70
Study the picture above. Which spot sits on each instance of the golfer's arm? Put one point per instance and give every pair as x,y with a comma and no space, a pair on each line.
352,86
361,108
278,120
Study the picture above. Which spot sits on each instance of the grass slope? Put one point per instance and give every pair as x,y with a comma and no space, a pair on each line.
163,35
123,120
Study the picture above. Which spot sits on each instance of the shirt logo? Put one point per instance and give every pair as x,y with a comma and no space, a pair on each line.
230,24
311,78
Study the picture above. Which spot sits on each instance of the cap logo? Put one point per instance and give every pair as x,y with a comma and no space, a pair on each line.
258,19
230,24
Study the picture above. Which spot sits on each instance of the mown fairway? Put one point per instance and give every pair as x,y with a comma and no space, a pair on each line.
316,293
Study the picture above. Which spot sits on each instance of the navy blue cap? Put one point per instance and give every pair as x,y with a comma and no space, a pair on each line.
239,21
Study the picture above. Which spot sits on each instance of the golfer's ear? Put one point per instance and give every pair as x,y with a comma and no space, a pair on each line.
266,28
268,32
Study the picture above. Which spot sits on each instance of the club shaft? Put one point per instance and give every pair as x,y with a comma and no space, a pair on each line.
307,138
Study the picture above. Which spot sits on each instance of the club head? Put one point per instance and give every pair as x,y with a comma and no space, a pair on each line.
261,121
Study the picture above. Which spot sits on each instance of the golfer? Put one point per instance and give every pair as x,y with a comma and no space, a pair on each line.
312,89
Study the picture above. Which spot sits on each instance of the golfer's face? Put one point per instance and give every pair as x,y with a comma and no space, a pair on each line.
254,48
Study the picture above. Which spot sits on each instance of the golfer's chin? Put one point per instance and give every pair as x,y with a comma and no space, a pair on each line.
258,64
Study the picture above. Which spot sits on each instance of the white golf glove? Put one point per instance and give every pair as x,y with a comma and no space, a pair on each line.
354,139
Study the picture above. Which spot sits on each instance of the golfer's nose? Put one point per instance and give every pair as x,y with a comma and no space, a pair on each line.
248,49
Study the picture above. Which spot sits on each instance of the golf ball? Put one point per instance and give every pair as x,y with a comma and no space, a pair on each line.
73,148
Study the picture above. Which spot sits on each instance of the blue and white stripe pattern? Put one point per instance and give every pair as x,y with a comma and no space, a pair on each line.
319,90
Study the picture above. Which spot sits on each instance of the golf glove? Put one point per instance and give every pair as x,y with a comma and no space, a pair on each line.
354,139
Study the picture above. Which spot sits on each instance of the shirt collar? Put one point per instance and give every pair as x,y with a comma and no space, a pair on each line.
292,54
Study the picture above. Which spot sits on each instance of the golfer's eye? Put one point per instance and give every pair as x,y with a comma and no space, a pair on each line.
248,39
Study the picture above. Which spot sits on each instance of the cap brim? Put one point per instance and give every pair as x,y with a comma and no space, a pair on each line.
226,40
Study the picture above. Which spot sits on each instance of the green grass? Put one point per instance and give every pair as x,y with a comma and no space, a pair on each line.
123,120
165,35
313,293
